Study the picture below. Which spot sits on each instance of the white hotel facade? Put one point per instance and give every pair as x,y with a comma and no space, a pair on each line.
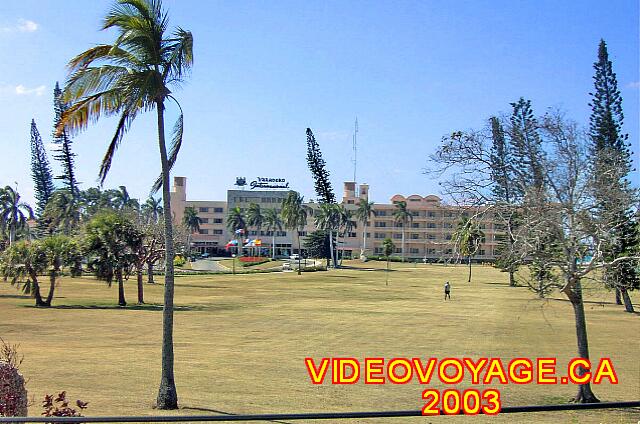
428,236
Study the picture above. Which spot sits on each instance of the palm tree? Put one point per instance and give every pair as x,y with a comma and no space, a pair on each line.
363,214
192,221
255,217
14,213
387,249
327,219
402,216
126,78
468,236
273,223
237,224
62,212
152,208
294,216
346,224
123,201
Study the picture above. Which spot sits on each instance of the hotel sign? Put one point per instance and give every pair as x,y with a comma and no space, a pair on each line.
261,182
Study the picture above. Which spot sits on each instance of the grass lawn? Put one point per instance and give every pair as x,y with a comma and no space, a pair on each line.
240,341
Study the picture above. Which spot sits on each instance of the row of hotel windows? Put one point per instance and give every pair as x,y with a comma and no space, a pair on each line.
413,250
383,224
278,200
214,210
426,214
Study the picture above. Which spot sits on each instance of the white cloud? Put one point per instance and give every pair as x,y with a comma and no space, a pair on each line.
21,90
635,84
23,25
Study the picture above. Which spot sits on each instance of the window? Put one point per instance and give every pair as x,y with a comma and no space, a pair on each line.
481,252
218,232
431,214
302,233
352,235
253,233
204,220
281,233
378,250
380,213
447,225
218,210
379,235
415,236
380,224
431,251
350,202
415,225
217,220
399,224
415,200
431,236
431,225
448,214
397,236
203,209
414,250
448,251
203,231
398,249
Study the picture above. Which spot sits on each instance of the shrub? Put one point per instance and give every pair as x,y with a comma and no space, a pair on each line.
252,260
59,406
179,261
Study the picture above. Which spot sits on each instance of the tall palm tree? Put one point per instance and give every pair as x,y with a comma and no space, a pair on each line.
468,237
126,78
402,216
14,213
152,208
254,217
123,201
327,219
237,224
294,216
273,223
192,221
363,214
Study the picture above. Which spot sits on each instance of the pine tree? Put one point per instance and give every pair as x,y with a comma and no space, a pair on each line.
63,142
525,142
318,170
40,171
610,151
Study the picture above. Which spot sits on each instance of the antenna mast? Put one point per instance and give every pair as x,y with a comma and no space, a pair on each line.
355,149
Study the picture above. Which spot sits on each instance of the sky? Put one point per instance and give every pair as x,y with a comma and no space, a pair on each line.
263,72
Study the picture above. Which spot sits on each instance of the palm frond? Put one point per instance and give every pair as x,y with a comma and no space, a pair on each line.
90,80
123,125
180,54
89,109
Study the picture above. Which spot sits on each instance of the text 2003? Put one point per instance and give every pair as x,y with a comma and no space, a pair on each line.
469,402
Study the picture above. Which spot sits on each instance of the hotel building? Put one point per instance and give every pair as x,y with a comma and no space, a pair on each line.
429,235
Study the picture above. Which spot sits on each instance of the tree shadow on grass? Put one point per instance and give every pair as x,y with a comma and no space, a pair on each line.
136,307
195,408
15,296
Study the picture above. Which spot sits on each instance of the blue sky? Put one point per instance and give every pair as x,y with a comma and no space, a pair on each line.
264,71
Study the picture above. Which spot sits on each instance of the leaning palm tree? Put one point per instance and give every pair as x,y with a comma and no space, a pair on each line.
468,237
237,223
363,214
126,78
402,216
152,209
14,213
294,215
254,217
192,221
327,219
273,223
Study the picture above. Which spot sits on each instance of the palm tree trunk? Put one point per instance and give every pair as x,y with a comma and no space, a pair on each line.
140,286
403,243
333,262
273,245
121,299
12,233
387,273
364,240
36,290
469,269
512,279
628,306
618,297
299,255
167,393
52,287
